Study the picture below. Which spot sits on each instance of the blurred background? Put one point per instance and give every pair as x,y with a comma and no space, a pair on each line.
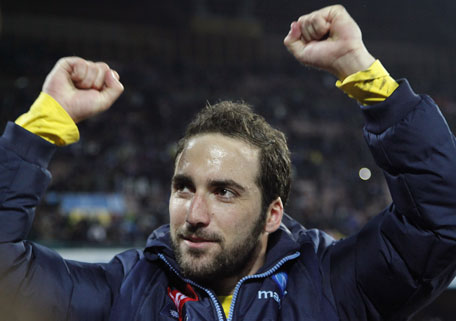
111,189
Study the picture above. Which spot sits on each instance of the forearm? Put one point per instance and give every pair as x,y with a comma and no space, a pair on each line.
23,180
411,142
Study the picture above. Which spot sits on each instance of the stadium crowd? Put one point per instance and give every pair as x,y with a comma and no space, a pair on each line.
129,150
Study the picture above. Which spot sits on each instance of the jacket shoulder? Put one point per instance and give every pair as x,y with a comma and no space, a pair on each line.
318,239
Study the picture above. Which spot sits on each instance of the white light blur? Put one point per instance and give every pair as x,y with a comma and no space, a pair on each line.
365,173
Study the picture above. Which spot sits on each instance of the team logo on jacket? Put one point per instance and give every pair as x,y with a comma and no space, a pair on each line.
281,279
180,298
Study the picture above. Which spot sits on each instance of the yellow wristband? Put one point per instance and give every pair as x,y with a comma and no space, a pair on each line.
369,86
47,119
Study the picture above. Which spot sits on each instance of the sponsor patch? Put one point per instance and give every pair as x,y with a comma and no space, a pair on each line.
180,298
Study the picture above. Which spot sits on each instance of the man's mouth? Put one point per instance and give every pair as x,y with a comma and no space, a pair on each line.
194,241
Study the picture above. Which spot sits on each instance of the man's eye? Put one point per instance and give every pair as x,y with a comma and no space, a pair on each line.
225,193
182,188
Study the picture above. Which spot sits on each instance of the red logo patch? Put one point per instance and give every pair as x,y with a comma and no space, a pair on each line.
180,298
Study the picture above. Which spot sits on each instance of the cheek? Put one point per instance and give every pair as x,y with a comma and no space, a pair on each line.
177,211
236,221
251,217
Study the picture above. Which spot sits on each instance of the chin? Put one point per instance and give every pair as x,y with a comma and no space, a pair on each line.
198,266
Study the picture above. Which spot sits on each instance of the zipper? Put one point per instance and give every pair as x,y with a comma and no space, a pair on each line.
212,296
218,308
258,276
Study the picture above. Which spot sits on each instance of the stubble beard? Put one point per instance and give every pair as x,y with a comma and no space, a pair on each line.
206,267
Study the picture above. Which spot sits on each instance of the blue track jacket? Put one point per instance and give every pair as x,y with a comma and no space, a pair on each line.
401,260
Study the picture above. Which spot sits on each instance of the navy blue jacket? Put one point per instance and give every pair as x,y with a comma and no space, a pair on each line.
401,260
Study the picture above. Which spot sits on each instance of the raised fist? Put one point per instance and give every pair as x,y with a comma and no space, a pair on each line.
83,88
329,39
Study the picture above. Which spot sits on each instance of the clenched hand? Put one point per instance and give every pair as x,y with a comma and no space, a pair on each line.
329,39
83,88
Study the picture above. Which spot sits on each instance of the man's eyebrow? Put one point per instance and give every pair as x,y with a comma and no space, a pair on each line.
180,179
227,183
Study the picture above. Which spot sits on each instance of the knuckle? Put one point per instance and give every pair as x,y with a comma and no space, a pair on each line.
62,60
91,65
303,19
315,20
82,67
339,8
102,66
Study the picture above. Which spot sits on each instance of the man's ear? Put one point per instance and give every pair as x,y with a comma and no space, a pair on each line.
274,215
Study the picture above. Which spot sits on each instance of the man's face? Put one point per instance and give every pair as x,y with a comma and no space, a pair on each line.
215,207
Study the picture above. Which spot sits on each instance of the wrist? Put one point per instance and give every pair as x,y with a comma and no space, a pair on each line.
49,120
353,62
369,86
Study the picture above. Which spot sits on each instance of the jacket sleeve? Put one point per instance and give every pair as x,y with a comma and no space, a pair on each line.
406,255
35,282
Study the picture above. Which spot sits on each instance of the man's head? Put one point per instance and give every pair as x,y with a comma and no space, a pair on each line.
237,120
231,172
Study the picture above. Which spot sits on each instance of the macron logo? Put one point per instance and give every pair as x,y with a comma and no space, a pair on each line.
281,279
268,295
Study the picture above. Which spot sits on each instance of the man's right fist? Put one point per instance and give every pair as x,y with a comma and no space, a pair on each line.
83,88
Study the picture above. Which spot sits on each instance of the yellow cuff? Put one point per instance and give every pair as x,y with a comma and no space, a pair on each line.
369,86
47,119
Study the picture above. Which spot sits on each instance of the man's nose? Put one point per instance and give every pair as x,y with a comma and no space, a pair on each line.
198,213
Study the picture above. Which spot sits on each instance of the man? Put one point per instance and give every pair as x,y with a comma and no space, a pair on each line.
230,251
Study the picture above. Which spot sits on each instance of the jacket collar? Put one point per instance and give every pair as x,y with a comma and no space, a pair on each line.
286,240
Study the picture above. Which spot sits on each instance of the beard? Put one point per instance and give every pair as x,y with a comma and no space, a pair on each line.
205,266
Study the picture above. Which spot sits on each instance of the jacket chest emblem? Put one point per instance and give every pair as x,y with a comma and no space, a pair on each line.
281,280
